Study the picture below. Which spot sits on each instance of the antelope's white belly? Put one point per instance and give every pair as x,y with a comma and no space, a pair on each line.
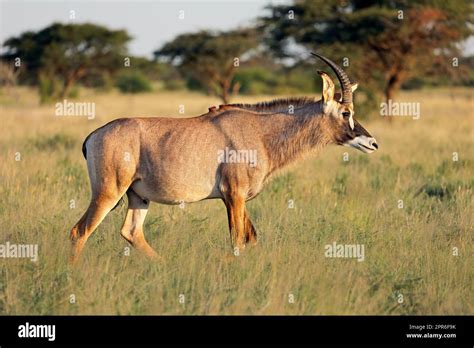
176,191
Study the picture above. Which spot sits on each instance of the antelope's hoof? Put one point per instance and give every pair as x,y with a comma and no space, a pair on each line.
155,257
252,243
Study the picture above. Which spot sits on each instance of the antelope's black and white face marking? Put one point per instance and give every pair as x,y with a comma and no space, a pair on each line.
346,130
347,115
356,136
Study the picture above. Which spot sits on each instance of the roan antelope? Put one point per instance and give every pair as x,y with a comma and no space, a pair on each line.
171,160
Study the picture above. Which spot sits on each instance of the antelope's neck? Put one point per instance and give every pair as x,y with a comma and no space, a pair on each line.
292,136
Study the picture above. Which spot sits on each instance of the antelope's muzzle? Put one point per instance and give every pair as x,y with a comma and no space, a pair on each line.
363,143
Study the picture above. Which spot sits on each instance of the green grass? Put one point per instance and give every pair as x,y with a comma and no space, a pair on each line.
408,251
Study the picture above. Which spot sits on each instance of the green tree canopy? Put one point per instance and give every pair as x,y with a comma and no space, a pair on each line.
211,58
68,52
387,41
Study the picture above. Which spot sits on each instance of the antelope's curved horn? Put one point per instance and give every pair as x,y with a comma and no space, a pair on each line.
344,80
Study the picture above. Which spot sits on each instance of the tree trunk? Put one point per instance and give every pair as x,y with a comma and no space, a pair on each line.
235,89
68,83
395,79
391,88
70,80
393,85
224,95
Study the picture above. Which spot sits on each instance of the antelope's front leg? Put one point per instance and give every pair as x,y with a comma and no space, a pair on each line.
250,232
236,215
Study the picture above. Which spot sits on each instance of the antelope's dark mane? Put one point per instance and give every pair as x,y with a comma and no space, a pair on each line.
277,105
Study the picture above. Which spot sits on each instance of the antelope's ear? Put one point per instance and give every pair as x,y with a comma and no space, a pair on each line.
328,87
354,86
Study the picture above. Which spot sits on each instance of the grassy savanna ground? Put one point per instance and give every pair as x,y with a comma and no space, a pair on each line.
408,251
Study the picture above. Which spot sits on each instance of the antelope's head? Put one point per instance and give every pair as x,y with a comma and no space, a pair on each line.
339,109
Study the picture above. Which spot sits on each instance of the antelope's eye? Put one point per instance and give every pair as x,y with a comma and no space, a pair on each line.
346,114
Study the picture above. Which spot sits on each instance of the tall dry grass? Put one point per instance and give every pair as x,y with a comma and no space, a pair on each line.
408,251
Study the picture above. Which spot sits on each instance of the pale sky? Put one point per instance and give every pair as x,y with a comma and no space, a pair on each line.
151,23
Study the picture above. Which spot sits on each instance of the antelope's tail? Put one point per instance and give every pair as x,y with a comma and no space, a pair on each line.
84,148
84,152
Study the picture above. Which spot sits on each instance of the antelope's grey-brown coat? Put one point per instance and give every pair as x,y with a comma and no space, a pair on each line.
171,161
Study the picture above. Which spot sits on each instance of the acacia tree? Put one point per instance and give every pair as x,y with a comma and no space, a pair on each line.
211,58
391,40
68,53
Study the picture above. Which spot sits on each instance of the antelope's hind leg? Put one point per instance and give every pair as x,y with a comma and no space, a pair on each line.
132,229
99,207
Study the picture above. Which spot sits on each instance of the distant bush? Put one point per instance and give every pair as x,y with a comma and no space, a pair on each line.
134,82
8,74
256,80
174,84
103,81
302,79
55,142
260,80
49,88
